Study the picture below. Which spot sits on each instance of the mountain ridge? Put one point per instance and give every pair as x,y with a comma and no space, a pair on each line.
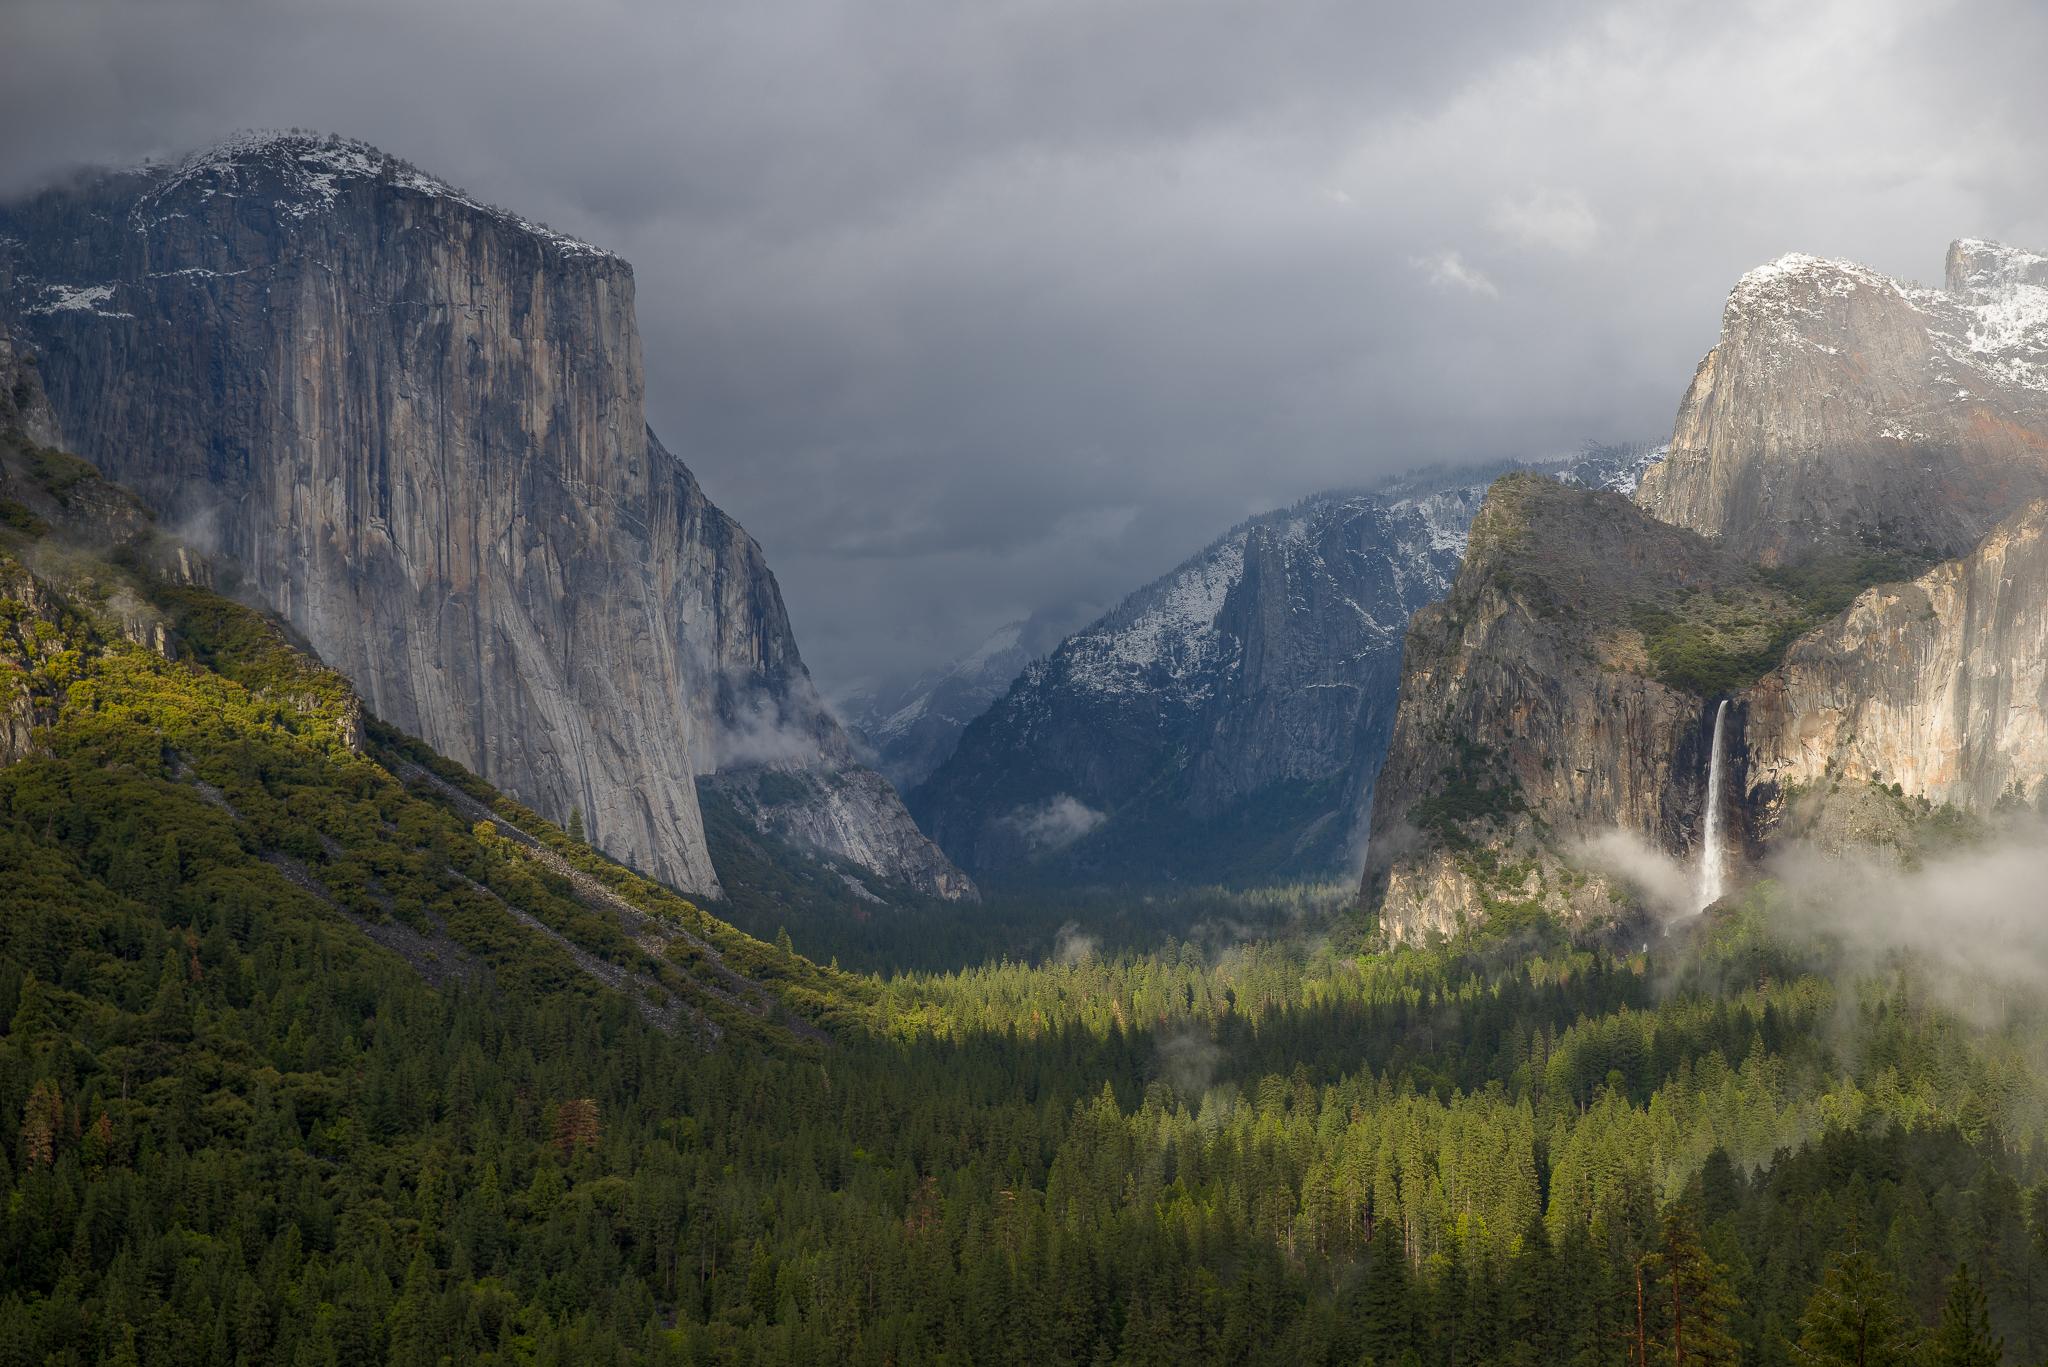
1247,691
1568,687
417,423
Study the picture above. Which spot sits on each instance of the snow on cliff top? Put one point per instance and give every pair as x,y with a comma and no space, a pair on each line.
314,167
1167,633
1993,320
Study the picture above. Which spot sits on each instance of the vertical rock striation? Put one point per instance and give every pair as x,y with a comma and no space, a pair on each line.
416,426
1939,685
1841,407
1568,685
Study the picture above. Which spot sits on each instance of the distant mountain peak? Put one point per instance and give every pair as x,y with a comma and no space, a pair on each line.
1224,721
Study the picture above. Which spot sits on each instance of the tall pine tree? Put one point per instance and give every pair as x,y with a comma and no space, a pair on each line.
1855,1318
1964,1338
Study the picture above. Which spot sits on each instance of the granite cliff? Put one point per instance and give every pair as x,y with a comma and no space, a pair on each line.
1850,557
413,425
1533,711
1938,685
1841,408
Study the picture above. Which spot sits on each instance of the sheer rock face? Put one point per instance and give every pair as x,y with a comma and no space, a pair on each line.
1939,686
1841,406
415,424
1526,703
1224,721
1529,720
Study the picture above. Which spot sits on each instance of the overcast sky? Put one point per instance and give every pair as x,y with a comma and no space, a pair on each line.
967,306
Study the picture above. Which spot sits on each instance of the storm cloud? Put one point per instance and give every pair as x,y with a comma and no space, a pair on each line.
963,309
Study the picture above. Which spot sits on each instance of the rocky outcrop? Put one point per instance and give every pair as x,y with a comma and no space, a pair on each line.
1530,716
1841,408
1939,686
415,424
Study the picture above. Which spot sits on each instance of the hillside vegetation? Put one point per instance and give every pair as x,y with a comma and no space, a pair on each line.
313,1050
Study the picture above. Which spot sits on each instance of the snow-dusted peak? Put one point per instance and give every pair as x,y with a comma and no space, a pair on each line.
1988,327
1398,550
1977,268
309,172
1617,469
1795,280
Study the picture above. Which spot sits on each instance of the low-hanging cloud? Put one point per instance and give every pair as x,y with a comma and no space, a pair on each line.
1667,885
1073,946
1055,823
1970,922
765,731
1188,1059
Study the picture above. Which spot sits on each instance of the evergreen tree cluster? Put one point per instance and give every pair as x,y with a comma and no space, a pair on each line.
314,1050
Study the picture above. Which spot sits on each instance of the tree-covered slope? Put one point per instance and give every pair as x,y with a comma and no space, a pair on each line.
315,1050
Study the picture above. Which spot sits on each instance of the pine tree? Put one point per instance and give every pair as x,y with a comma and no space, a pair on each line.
1387,1311
1963,1339
41,1120
576,825
1856,1317
1695,1294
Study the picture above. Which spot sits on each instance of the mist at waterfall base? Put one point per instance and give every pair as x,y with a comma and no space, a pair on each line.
1671,888
1971,923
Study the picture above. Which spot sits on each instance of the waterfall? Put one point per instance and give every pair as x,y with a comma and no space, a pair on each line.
1712,860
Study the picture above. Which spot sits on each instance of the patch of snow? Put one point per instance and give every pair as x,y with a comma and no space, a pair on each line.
901,720
194,273
315,170
78,299
1446,519
1168,628
1616,469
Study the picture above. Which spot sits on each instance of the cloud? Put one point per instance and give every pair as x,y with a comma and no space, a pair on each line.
1055,823
766,731
923,283
1968,922
1448,270
1559,220
1188,1059
1668,886
1073,946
